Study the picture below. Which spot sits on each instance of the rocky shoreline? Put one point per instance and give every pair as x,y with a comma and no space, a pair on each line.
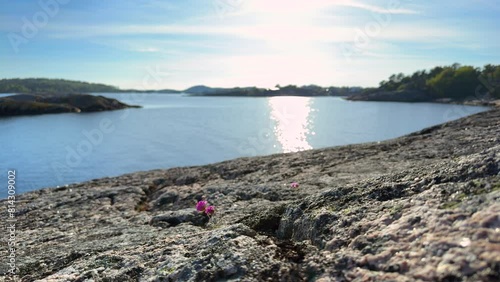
415,96
422,207
408,96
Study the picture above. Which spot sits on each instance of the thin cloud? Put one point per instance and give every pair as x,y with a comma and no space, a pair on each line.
147,50
107,30
161,5
376,9
267,32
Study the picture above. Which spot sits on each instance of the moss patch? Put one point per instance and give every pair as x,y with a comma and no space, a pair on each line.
396,210
166,270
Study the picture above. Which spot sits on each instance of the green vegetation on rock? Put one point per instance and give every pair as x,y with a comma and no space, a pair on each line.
454,82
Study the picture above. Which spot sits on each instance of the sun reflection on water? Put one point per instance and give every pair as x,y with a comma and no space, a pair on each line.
292,122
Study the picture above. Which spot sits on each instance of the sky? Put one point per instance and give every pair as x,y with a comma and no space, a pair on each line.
157,44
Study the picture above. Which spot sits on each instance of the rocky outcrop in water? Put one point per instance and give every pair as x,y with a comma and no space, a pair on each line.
27,104
423,207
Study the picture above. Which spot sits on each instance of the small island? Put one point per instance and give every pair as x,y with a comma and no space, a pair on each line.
29,104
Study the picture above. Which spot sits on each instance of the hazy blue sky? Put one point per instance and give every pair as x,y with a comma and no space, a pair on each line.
242,42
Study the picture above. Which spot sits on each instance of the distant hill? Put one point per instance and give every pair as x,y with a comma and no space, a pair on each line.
202,89
161,91
61,86
53,86
45,86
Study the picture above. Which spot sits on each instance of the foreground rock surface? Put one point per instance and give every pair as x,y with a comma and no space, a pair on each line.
424,207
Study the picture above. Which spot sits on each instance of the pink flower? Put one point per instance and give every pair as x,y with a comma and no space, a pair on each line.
210,210
201,205
294,185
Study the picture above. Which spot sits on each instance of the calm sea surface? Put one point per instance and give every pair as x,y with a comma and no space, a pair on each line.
178,130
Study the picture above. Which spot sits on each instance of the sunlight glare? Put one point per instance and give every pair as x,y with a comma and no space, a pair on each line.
292,122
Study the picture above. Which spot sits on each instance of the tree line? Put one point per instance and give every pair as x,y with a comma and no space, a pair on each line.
51,86
455,81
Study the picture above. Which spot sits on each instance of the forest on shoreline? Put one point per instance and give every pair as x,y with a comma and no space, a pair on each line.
454,82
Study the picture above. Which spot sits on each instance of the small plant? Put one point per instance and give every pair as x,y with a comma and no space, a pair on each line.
294,185
202,206
210,210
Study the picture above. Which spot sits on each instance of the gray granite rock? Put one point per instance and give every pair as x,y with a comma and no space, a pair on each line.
423,207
